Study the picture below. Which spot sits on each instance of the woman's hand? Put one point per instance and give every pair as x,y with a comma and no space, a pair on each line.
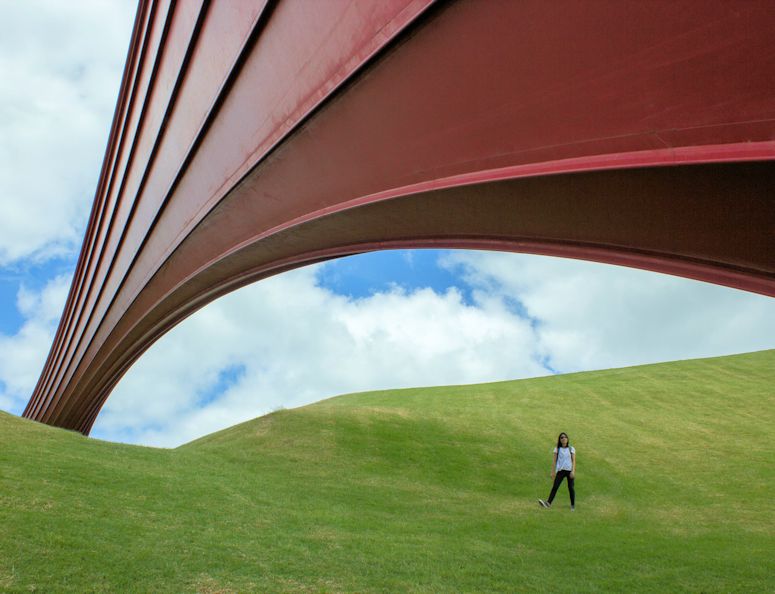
552,474
573,474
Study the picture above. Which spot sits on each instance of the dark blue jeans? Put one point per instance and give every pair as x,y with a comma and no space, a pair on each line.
557,480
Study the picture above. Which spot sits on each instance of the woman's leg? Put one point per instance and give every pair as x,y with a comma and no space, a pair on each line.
557,480
572,491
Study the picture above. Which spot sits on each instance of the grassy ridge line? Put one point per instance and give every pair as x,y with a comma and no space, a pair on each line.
416,490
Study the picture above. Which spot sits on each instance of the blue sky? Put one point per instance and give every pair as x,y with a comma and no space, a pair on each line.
389,319
31,275
366,274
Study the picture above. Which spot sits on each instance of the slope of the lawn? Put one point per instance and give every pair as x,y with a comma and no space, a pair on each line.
417,490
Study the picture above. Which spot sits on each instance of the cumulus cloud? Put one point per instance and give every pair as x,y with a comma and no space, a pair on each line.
286,341
23,354
61,64
596,316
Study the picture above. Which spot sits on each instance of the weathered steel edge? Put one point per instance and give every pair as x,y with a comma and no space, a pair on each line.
97,212
96,286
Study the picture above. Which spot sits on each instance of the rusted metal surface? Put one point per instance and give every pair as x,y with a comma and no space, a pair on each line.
255,137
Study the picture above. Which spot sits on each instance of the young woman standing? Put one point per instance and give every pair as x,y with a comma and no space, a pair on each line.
563,466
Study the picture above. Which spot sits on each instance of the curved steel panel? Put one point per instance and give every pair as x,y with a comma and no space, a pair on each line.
254,137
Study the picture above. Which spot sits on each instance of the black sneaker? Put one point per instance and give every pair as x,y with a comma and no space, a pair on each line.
543,503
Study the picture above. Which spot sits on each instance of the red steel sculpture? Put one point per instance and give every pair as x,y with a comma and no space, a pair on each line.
253,137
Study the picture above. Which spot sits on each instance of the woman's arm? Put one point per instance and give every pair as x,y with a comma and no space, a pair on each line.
573,470
554,463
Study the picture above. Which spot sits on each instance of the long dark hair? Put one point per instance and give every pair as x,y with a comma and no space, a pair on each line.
559,443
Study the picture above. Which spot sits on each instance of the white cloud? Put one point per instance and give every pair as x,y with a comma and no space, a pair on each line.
298,342
23,354
295,342
60,65
287,341
595,316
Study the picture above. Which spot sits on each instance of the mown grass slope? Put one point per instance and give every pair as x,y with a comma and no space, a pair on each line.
427,490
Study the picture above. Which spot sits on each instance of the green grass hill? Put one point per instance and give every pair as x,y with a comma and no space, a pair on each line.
419,490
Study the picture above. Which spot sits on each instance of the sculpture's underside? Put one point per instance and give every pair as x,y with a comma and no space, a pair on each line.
253,137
